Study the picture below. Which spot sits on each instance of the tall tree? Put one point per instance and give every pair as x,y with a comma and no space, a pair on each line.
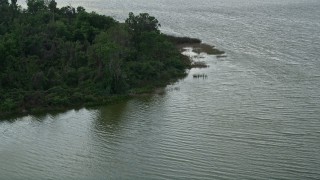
35,6
141,23
4,3
4,15
14,8
14,4
52,7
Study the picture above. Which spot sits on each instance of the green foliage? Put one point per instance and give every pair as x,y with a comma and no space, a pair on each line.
35,6
142,22
8,104
57,57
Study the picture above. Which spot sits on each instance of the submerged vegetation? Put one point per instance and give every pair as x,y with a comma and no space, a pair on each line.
196,45
203,76
199,64
54,57
201,48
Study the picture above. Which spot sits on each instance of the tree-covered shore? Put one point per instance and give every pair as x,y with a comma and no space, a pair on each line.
52,58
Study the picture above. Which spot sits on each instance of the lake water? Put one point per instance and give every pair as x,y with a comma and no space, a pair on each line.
256,116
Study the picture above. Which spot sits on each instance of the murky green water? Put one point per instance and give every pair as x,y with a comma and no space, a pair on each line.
256,116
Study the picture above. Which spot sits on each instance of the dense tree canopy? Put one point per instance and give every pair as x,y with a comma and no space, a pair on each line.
52,56
142,23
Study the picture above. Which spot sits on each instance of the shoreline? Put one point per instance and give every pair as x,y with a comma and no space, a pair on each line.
181,43
156,88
